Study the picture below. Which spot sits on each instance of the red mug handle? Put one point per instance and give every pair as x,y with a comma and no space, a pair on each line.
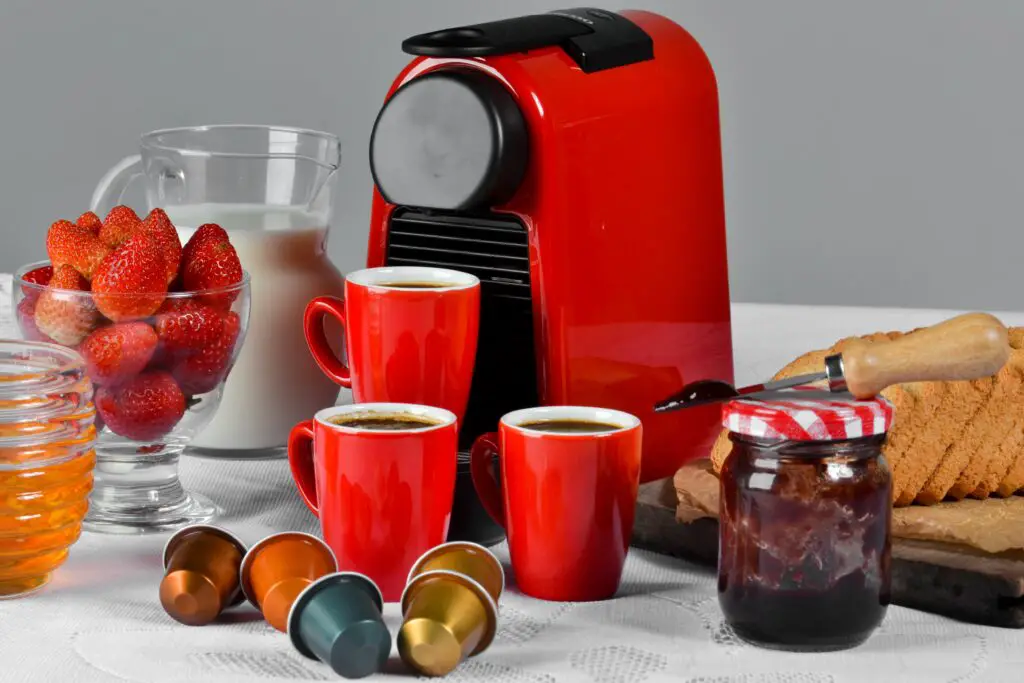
316,338
300,459
480,458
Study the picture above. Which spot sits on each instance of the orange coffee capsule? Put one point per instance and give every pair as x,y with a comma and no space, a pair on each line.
464,557
200,581
447,618
279,567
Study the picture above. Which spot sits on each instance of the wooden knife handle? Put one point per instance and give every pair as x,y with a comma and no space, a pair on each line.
969,346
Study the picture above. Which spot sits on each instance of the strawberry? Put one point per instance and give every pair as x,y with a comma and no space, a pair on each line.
131,282
145,408
118,226
27,321
164,233
61,313
116,353
213,265
90,222
37,276
206,368
66,243
186,327
208,232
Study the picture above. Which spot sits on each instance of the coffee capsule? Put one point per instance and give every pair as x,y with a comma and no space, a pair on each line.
463,557
447,618
337,619
201,565
279,567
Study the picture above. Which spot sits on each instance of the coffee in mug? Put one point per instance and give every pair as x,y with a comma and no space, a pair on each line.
569,426
383,422
414,285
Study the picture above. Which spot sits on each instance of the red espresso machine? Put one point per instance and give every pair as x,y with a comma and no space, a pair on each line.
571,161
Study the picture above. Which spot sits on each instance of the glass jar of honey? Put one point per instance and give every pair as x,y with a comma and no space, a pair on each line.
46,460
804,522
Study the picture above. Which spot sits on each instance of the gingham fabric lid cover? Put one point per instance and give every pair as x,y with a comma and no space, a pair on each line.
804,420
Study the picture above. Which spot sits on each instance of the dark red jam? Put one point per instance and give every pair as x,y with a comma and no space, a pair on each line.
804,545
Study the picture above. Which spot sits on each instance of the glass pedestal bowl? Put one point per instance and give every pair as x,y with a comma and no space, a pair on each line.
158,379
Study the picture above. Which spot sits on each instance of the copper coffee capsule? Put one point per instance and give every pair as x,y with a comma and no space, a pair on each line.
279,567
201,565
447,618
464,557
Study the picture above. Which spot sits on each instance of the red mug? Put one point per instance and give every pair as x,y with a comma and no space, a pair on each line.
384,497
566,498
405,344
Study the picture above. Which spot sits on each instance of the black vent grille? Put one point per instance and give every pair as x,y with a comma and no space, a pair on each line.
495,249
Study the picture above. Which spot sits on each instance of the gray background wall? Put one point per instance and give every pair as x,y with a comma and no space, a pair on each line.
873,149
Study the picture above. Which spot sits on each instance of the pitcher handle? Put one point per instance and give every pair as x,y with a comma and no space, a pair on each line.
112,186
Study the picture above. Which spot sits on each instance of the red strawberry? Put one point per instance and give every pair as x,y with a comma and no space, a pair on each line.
205,369
90,222
131,282
116,353
66,243
61,313
208,232
144,409
213,265
118,226
160,227
186,327
37,276
27,321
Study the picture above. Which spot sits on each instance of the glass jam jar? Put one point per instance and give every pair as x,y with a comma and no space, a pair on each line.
804,522
47,437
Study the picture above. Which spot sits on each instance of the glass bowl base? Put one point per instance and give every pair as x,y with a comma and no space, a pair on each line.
121,519
137,493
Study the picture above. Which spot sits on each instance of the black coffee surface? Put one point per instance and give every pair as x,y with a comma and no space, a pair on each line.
414,285
570,426
383,423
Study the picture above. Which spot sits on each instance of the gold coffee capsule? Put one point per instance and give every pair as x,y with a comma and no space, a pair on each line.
464,557
447,618
279,567
201,574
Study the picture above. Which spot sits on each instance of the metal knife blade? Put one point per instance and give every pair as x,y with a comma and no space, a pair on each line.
786,383
703,392
780,394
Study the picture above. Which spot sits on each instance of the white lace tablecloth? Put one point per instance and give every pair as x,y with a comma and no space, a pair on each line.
100,620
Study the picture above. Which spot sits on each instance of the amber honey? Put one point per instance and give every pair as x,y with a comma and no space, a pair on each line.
46,461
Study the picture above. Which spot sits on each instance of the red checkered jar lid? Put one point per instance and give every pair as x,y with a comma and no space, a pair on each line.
806,420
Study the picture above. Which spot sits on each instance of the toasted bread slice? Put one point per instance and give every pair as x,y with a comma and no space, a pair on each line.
960,460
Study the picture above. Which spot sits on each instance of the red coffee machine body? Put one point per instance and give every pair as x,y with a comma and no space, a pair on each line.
597,227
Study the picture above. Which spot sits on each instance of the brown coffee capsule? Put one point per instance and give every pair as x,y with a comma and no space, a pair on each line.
447,617
200,581
464,557
279,567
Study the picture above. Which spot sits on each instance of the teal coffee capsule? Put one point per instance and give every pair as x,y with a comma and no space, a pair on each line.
337,619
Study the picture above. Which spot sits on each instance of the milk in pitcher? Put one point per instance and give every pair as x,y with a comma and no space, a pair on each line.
275,383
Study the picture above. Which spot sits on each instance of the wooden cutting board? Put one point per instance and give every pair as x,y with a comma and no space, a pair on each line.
942,578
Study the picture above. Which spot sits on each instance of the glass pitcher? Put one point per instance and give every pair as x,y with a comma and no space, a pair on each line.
270,187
